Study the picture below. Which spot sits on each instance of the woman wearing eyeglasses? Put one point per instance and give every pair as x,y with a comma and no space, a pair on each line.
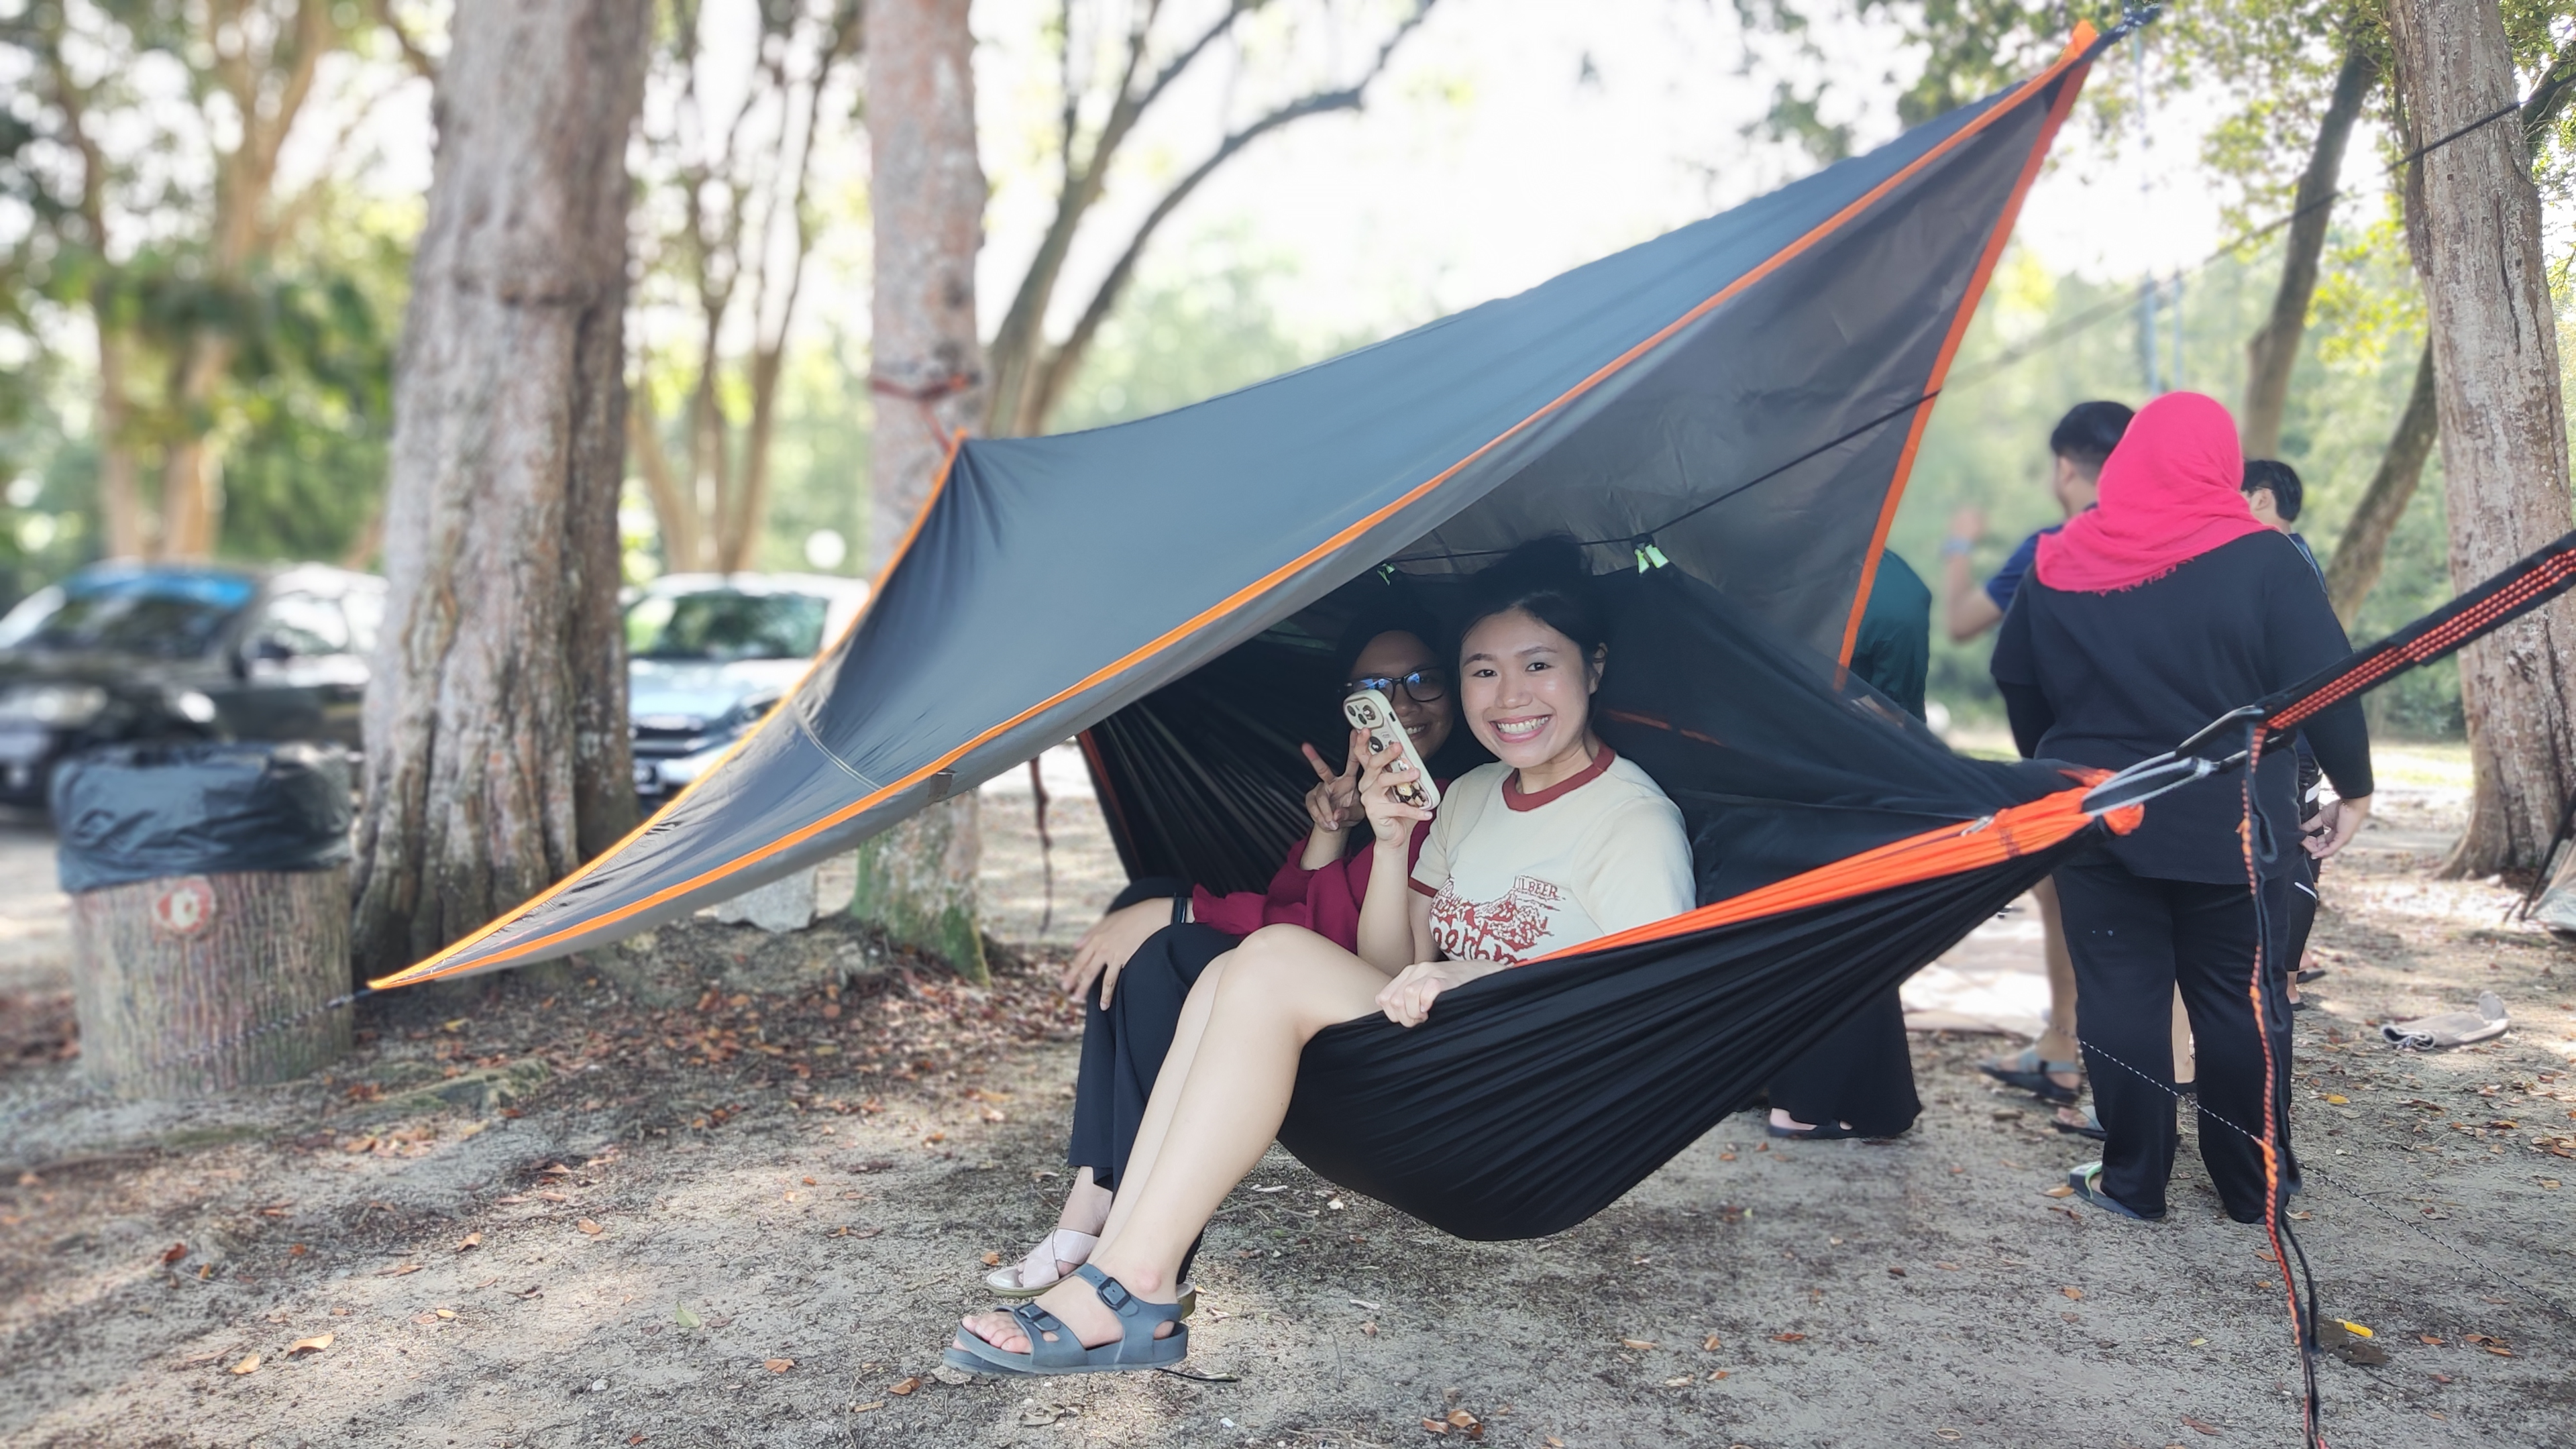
1136,966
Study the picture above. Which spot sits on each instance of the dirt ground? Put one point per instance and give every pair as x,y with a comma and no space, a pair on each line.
721,1188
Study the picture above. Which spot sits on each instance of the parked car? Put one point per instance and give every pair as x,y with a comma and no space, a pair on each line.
709,654
139,652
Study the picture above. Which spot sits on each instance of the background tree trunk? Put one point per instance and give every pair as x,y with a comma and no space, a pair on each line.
2363,546
496,719
2503,429
2274,350
918,880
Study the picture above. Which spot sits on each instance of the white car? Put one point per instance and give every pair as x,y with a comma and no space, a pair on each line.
709,654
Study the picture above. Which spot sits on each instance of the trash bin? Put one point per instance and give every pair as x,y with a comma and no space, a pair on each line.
210,912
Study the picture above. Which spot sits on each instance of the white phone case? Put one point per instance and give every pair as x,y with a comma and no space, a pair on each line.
1368,710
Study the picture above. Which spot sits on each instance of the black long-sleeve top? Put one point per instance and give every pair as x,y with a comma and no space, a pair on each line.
2109,679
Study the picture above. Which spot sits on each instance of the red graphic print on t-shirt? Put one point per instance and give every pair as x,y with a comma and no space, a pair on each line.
1503,930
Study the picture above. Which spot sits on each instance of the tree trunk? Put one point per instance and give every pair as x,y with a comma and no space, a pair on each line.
2503,430
2274,350
2363,548
191,496
120,503
918,880
675,509
198,984
496,718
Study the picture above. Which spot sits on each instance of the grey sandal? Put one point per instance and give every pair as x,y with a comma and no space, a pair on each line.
1054,1349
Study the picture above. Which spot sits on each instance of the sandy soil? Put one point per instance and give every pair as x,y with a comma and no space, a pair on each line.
731,1189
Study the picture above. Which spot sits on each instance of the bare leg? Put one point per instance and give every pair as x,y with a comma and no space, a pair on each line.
1215,1109
2057,1044
1085,1208
2184,1073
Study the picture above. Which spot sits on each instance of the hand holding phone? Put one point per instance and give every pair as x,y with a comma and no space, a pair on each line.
1388,742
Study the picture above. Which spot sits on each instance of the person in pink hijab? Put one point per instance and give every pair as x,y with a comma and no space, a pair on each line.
2164,607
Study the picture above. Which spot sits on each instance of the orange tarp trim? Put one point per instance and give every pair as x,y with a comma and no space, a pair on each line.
2007,834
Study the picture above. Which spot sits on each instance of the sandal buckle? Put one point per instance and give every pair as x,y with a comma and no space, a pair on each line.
1115,1294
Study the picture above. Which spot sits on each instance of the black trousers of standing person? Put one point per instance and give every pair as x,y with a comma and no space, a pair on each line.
1123,1044
2135,939
1861,1073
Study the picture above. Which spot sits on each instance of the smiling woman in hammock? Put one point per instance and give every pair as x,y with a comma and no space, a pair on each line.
1560,843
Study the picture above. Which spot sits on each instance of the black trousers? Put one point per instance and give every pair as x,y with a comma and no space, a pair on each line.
2135,939
1123,1044
1860,1073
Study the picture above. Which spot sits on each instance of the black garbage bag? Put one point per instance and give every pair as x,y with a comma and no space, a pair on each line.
140,812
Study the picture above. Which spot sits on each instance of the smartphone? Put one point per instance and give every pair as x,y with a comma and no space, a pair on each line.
1369,711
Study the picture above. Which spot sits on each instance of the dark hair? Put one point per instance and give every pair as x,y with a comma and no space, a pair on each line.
2289,495
1391,608
1544,578
2088,433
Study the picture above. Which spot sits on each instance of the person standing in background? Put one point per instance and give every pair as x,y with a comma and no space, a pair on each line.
2276,496
2049,1068
2144,619
1859,1080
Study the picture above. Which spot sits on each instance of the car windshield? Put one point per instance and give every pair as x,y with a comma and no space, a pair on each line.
173,615
721,626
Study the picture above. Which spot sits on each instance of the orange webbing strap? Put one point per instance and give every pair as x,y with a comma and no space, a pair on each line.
2008,834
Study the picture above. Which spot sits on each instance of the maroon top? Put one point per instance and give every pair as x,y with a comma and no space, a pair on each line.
1325,901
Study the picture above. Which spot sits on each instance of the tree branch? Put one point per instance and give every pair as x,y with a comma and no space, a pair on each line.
422,63
1057,370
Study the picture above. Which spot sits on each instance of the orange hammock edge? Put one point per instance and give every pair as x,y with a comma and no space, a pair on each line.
2009,833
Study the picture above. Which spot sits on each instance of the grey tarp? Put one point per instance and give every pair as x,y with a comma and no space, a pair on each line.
1745,393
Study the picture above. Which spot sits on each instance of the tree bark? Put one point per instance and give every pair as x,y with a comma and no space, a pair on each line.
496,718
2503,429
917,881
2363,546
2274,349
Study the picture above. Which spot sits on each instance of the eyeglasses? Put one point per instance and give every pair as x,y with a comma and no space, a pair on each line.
1423,686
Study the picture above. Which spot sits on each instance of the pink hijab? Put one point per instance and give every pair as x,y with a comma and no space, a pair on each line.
2170,492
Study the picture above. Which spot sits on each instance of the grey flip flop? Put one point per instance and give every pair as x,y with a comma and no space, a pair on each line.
2085,1179
1054,1349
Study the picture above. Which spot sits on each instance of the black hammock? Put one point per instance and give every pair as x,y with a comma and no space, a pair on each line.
1841,844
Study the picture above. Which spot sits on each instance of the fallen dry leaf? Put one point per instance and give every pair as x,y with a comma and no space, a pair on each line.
1788,1338
2191,1423
2337,1099
1715,1374
1369,1329
443,1312
939,1136
556,1169
175,1253
867,1408
1639,1344
553,1197
472,1240
1435,1426
1709,1344
992,1260
588,1227
778,1365
2061,1190
1679,1381
1461,1419
249,1365
315,1344
399,1269
904,1386
1947,1267
1895,1272
2072,1291
2428,1338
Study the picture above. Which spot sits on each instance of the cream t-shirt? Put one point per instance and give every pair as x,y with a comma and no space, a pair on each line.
1513,877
